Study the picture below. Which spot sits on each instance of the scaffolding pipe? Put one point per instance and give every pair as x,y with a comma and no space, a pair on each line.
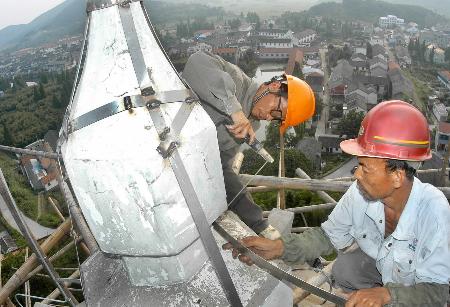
306,184
300,173
19,276
261,189
317,280
295,183
55,208
237,162
54,257
44,154
77,216
55,293
306,208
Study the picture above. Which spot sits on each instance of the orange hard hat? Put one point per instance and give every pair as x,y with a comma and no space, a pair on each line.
392,130
301,103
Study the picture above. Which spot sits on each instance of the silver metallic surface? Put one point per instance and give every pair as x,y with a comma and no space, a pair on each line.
277,272
149,246
106,282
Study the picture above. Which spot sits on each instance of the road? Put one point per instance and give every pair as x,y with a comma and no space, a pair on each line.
344,170
322,123
36,229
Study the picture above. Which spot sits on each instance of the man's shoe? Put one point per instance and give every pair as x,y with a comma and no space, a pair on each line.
270,233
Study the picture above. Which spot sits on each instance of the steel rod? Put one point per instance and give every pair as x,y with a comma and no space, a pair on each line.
20,221
37,153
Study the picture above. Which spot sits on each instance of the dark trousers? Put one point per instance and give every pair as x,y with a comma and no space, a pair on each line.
244,206
356,270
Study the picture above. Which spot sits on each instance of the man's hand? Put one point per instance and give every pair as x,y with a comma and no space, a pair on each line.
374,297
241,127
267,249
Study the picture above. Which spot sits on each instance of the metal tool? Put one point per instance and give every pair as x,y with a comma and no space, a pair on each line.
277,272
255,145
259,149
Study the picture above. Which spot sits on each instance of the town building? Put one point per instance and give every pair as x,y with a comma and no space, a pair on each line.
438,54
390,21
230,54
199,47
276,54
304,38
275,33
360,98
7,243
442,136
400,86
444,78
437,38
440,111
403,57
42,173
275,43
330,143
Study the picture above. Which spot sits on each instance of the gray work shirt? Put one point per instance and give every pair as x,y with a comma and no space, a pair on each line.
223,89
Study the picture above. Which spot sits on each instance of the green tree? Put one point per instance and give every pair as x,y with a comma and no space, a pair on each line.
297,72
350,124
431,56
369,50
235,23
447,54
41,91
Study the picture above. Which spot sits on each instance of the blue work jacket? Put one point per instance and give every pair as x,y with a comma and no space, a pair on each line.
419,248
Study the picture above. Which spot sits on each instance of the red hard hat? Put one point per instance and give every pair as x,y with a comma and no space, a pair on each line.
393,130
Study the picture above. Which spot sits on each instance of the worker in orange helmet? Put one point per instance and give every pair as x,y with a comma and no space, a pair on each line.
236,103
391,231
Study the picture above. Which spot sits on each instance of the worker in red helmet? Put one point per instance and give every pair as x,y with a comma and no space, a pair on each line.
236,103
391,231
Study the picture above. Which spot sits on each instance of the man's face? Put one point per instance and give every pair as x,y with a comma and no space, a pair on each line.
270,107
375,182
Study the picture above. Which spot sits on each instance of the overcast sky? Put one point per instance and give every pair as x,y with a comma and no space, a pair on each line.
13,12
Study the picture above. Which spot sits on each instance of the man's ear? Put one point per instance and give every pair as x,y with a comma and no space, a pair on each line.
399,177
274,86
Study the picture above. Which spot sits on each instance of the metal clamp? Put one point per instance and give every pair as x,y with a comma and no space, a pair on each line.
164,133
191,100
166,151
127,104
153,104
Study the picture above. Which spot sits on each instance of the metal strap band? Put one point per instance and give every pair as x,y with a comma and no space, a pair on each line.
95,5
121,105
193,203
137,58
277,272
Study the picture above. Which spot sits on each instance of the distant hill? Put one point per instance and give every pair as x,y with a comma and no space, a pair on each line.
66,19
371,10
438,6
69,18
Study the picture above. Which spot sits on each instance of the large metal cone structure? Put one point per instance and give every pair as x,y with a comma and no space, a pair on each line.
129,111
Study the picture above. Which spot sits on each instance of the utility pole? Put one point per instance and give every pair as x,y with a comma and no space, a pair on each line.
281,199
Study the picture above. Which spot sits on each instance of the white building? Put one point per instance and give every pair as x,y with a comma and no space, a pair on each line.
439,54
275,43
390,21
199,47
304,38
440,111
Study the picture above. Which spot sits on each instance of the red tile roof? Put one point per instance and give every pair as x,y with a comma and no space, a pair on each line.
445,74
444,127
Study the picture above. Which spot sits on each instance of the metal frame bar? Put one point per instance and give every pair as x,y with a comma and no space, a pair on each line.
34,245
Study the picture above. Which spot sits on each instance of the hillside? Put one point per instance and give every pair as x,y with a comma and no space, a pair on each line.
68,19
371,10
27,113
438,6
